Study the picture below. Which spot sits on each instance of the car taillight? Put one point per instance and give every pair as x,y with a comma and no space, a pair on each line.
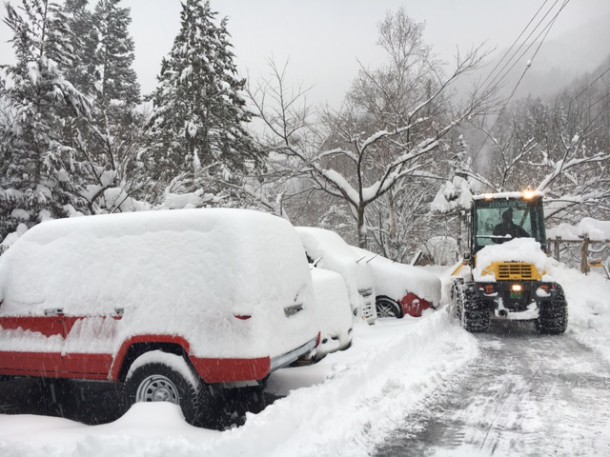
242,317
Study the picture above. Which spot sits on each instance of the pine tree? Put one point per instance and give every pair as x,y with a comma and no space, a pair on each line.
83,41
113,144
109,140
199,114
39,173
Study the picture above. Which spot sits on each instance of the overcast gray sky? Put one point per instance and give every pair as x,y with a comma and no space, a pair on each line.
323,38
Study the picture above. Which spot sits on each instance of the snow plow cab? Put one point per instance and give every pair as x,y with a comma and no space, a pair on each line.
504,275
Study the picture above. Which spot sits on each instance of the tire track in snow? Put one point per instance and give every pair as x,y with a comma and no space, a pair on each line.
525,395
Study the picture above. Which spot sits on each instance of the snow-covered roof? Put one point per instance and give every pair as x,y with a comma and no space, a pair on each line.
595,229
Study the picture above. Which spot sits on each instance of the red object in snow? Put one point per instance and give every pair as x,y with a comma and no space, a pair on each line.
413,305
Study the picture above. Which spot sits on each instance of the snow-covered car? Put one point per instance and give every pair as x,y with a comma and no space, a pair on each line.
328,250
401,289
334,314
168,304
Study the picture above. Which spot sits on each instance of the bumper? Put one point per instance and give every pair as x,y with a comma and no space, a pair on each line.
286,359
244,371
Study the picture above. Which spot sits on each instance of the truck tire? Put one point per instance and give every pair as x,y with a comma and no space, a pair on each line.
159,381
553,318
473,310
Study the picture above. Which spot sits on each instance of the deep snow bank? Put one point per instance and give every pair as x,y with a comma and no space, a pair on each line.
588,299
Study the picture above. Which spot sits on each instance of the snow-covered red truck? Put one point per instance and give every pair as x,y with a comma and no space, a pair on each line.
165,303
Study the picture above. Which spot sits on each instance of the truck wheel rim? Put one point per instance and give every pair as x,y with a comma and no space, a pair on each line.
157,388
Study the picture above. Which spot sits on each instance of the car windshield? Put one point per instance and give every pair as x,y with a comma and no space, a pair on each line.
498,221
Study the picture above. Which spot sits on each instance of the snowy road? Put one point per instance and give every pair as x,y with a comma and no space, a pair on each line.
524,395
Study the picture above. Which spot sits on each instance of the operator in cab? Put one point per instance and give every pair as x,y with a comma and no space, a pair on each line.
508,229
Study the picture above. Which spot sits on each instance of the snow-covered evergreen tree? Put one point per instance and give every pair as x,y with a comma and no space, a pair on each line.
39,173
198,124
80,72
112,140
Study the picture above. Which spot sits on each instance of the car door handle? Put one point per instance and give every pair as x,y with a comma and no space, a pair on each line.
54,312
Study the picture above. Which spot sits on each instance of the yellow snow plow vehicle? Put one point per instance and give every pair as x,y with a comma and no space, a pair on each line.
504,275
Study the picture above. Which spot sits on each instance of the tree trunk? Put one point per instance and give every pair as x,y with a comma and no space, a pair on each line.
361,228
393,227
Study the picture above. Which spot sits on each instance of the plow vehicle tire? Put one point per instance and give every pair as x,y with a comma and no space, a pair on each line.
553,318
473,310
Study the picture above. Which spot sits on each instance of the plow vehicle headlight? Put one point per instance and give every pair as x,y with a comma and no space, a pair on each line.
528,194
516,288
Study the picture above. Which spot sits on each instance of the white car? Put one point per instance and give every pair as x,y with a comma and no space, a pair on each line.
333,310
401,289
328,250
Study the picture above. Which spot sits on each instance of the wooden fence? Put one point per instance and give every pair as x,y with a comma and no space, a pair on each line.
586,247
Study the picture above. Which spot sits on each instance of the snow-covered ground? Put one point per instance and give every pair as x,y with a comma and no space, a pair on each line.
346,405
588,299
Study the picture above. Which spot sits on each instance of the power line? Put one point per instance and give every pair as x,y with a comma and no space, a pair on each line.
592,83
544,31
515,42
548,29
502,74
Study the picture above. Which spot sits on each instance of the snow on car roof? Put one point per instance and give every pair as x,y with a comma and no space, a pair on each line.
320,242
214,262
118,254
394,279
336,255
